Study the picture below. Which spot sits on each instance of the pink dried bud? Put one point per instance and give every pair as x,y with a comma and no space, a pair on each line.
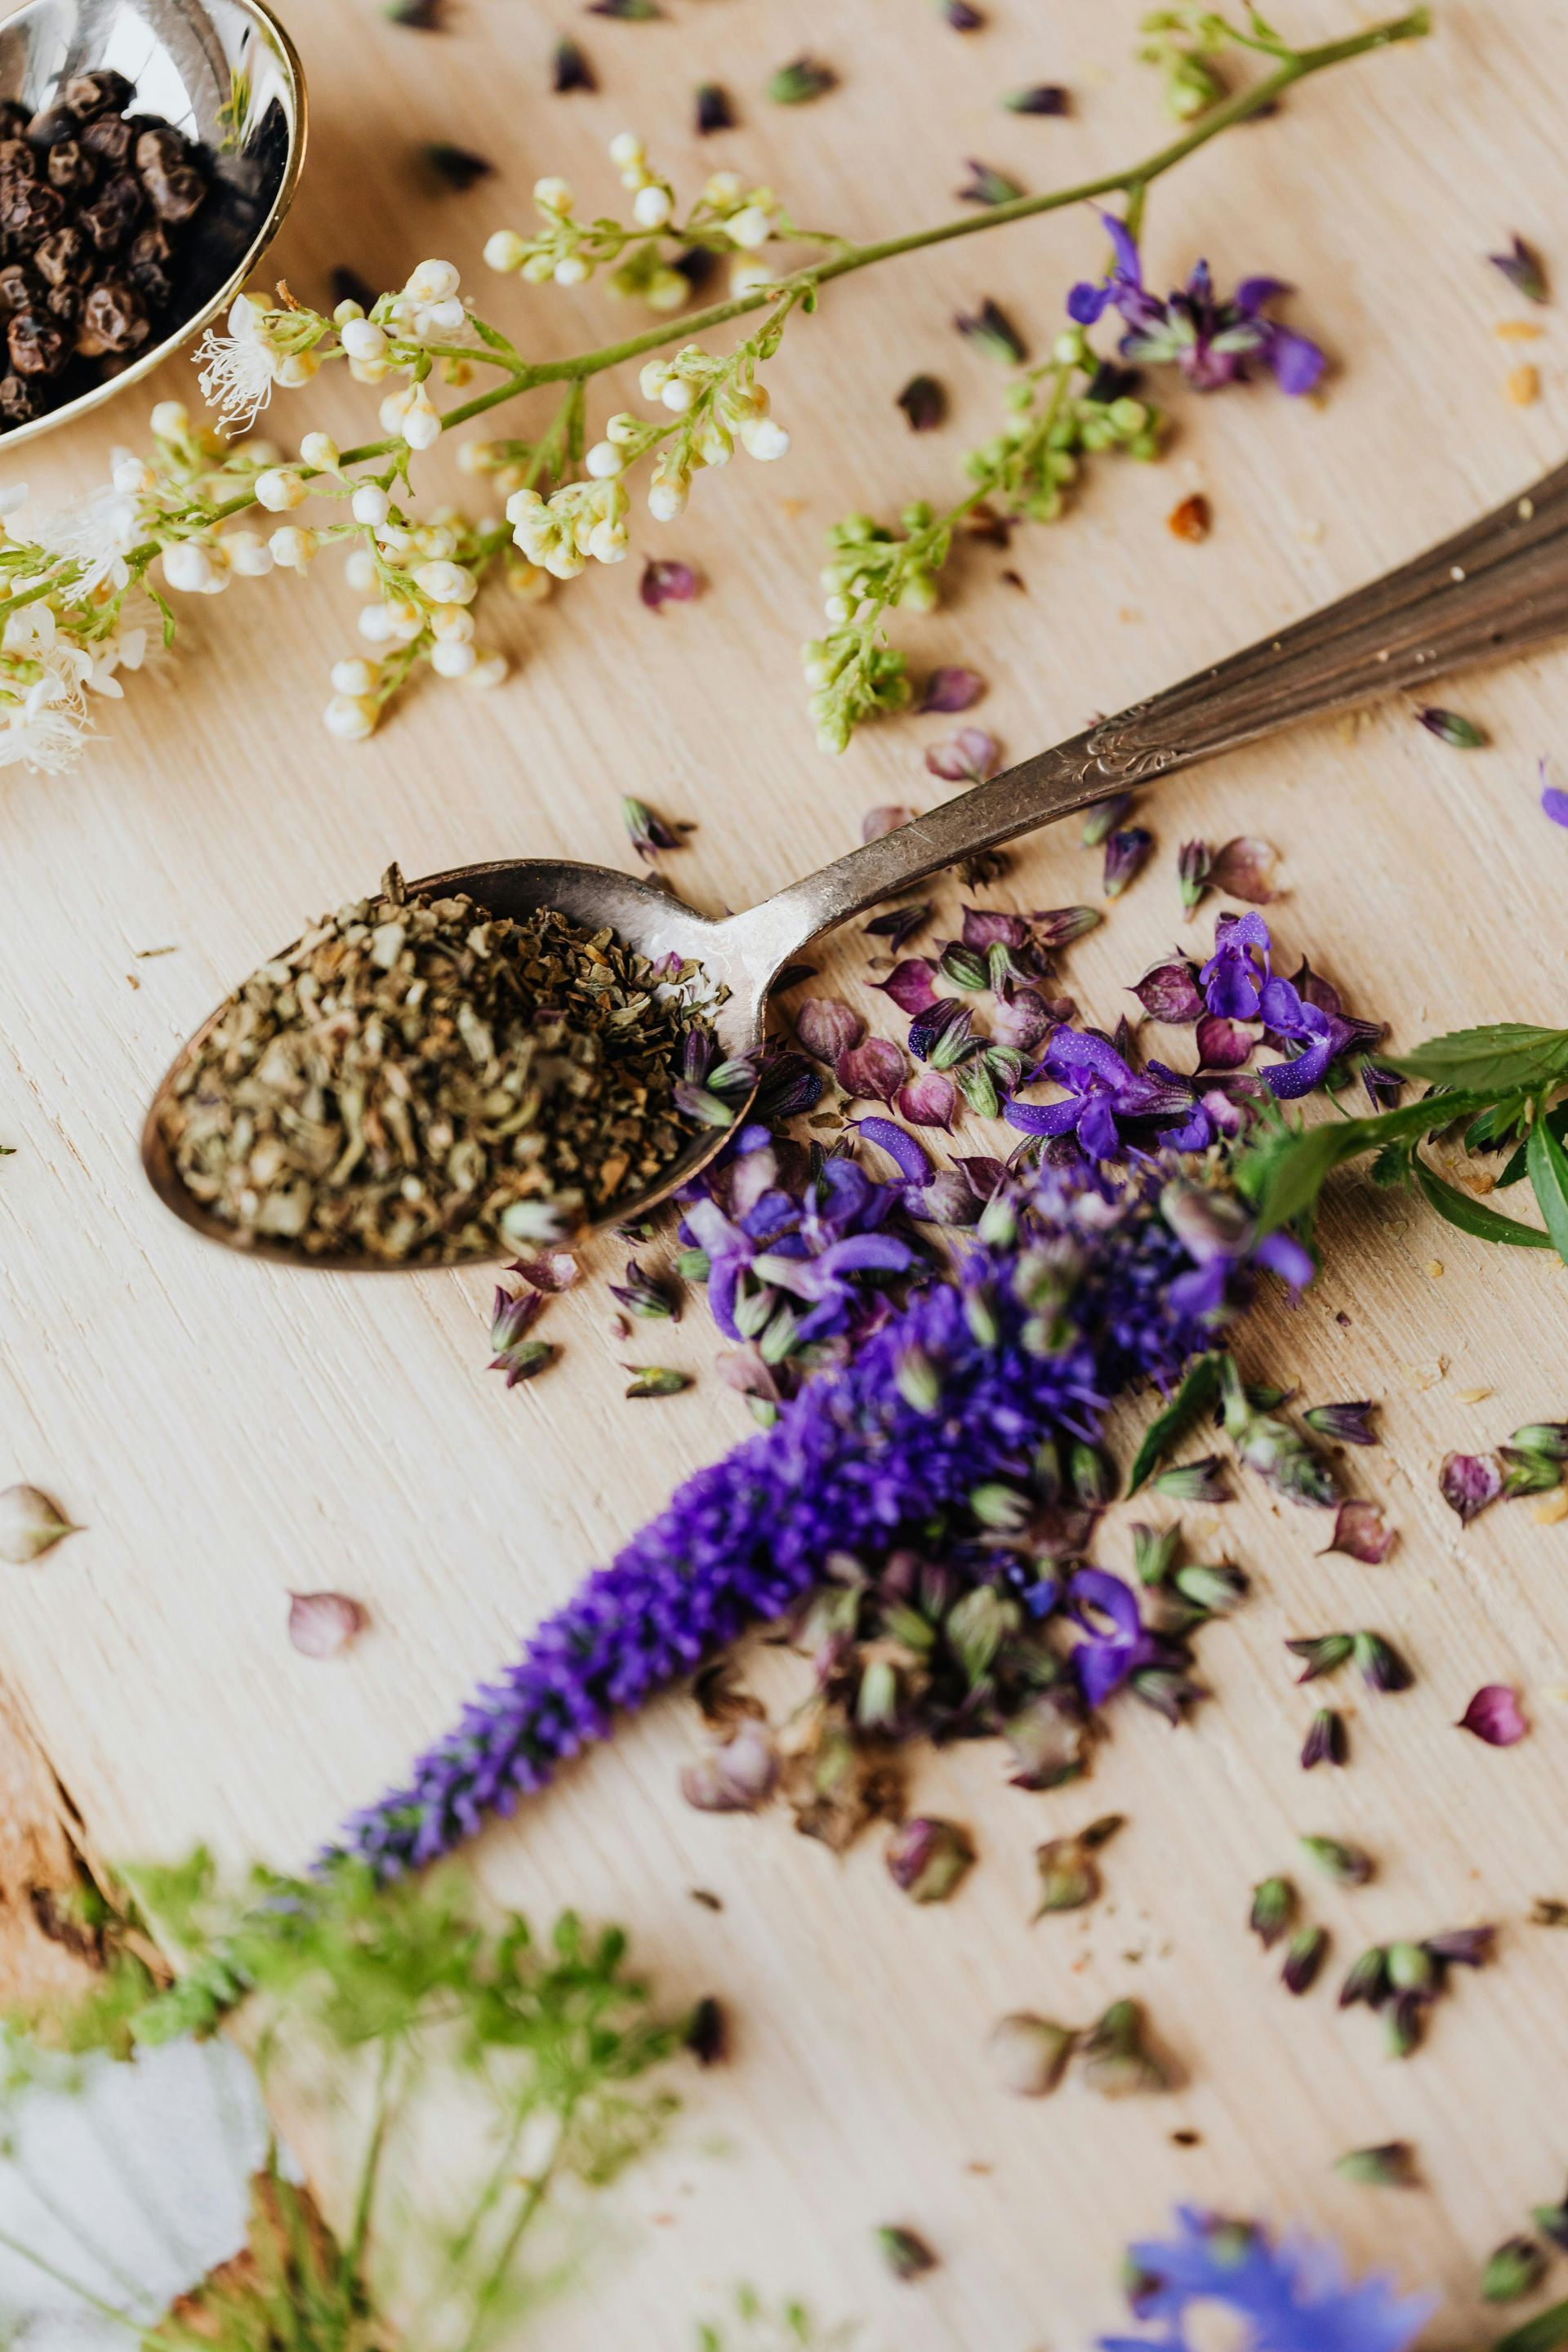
1495,1715
323,1623
926,1858
827,1027
738,1777
31,1525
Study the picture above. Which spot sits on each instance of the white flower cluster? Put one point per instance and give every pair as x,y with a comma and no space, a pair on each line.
73,634
423,598
259,348
580,520
262,348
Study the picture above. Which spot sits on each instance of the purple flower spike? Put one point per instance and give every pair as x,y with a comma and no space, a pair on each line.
1126,854
1359,1534
929,1100
1495,1715
1468,1482
1214,343
907,1155
952,689
910,985
1170,992
827,1027
872,1072
967,758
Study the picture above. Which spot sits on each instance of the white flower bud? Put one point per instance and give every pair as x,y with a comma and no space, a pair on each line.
750,278
451,657
762,437
722,188
622,429
346,309
171,421
505,251
422,424
452,624
666,494
607,542
375,624
435,540
837,609
651,380
279,489
564,562
667,290
553,195
538,267
396,408
570,270
360,571
441,318
362,339
625,150
433,282
350,717
370,371
524,505
298,369
651,207
446,583
355,675
187,566
248,553
293,548
603,462
487,670
393,541
369,505
132,475
749,227
319,449
679,395
712,444
529,583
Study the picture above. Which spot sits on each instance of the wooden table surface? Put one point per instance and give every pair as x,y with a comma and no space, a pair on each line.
228,1432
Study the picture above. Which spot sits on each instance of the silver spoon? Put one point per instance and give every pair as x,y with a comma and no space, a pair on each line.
1493,589
227,74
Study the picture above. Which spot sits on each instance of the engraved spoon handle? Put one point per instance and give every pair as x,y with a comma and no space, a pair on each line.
1489,591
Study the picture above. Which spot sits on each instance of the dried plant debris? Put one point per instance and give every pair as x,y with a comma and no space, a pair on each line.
418,1081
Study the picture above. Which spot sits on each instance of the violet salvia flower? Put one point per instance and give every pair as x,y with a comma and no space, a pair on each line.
1116,1645
1212,342
1234,977
850,1456
1104,1093
1292,2292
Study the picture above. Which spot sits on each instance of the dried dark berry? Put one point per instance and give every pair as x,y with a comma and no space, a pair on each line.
18,166
19,289
348,285
147,259
18,405
171,179
30,213
14,119
113,318
52,122
111,217
98,92
72,168
64,303
39,344
109,136
64,258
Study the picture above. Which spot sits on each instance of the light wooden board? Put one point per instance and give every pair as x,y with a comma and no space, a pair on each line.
228,1432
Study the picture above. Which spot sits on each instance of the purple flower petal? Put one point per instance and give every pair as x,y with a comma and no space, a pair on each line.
908,1157
1044,1118
890,819
827,1027
986,927
1023,1021
1170,992
1243,868
874,1071
950,1199
910,985
1553,802
1468,1482
1360,1533
1495,1715
1222,1044
967,758
929,1100
952,689
664,583
1298,363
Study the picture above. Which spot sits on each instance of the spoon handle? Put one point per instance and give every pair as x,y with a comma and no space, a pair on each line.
1501,585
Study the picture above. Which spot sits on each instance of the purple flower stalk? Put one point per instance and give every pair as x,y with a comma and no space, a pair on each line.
858,1456
1292,2292
1212,342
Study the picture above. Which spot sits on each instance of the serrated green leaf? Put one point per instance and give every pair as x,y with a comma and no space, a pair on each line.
1548,1166
1473,1216
1515,1171
1197,1393
1497,1059
1283,1174
1545,2332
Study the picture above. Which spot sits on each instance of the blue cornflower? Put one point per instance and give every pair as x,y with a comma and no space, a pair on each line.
1209,340
1293,2293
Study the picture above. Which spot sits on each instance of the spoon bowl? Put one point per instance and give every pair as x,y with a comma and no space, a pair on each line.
222,71
1491,590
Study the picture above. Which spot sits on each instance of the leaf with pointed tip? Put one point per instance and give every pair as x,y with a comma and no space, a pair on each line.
1473,1216
1548,1165
1196,1393
1547,2332
1490,1060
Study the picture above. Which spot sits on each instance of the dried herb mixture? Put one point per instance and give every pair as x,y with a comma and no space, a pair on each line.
418,1079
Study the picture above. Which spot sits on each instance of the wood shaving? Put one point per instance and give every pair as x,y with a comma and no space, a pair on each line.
1522,386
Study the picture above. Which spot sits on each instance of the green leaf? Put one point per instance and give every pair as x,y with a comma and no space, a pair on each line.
1197,1393
1473,1216
1283,1173
1545,2332
1548,1165
163,607
1515,1172
1494,1060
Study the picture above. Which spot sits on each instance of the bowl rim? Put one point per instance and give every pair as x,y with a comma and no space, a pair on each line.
178,337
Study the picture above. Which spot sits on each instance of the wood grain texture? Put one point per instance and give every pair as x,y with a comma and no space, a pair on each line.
227,1434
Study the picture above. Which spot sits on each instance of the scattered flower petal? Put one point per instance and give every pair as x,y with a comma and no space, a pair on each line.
1359,1534
827,1027
967,758
889,819
1468,1482
907,1156
1495,1715
321,1624
872,1072
738,1776
666,582
929,1100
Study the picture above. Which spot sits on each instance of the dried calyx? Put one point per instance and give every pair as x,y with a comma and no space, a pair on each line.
418,1080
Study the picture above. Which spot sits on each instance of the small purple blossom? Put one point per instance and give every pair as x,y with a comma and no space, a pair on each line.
1104,1093
1232,980
1554,800
1212,342
1115,1644
1292,2292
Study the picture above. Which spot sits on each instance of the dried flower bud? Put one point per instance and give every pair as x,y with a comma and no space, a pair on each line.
707,2034
1495,1715
926,1858
1547,1438
923,401
1468,1482
1321,1654
1411,1967
1068,1875
1273,1909
1304,1956
1360,1533
1552,2221
991,330
1028,2053
1381,1667
1326,1741
799,83
738,1777
1528,1474
1153,1549
906,2254
1345,1424
1367,1979
640,1294
1512,2271
1114,2059
917,1379
1218,1589
1449,727
1100,818
1048,1740
31,1525
1390,2166
1404,2023
1194,861
1462,1947
1523,268
1194,1482
655,1379
1347,1865
1126,854
321,1624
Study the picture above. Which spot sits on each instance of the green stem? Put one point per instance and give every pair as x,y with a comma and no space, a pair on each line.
534,2198
365,2202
